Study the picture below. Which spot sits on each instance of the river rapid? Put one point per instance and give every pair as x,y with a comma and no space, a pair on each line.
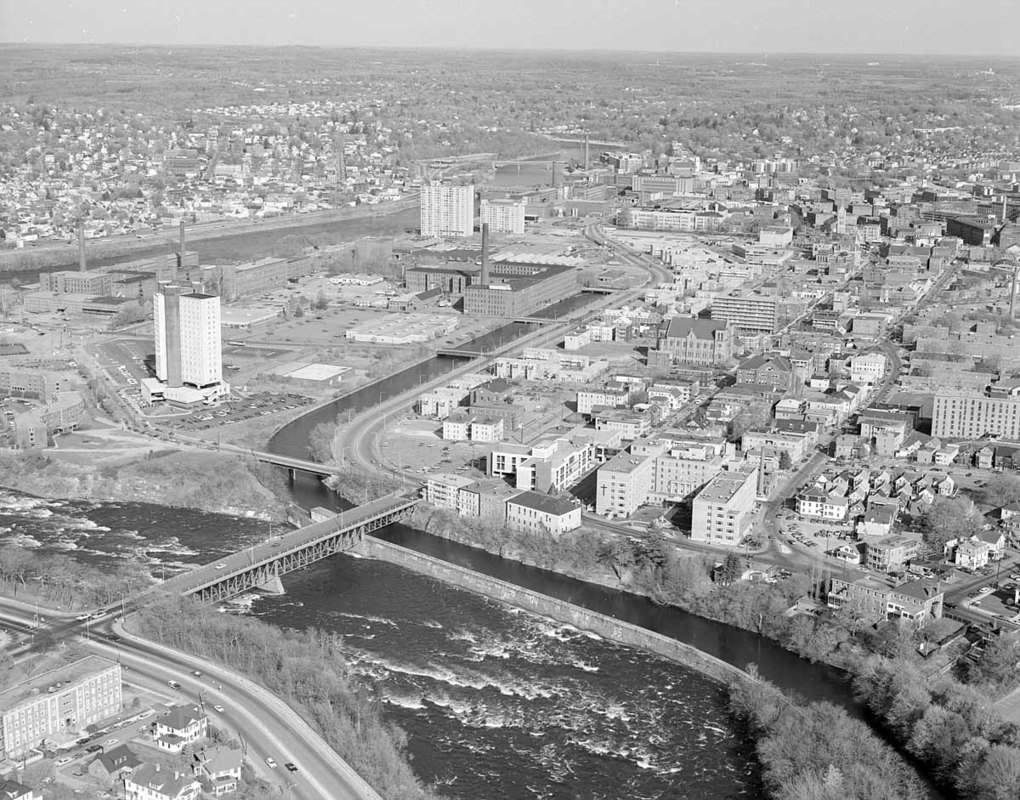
497,703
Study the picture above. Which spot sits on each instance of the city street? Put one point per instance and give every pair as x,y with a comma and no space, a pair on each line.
266,725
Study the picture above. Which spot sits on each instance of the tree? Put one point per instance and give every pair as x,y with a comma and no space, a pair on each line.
785,462
996,667
732,569
949,518
320,442
1001,490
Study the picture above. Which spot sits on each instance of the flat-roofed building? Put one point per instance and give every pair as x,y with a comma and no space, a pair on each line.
972,415
891,553
59,703
503,215
442,488
623,484
749,313
723,508
447,210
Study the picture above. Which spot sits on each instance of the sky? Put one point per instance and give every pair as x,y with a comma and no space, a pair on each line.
929,27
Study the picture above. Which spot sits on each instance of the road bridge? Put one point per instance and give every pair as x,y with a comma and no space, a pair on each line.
261,565
289,463
455,353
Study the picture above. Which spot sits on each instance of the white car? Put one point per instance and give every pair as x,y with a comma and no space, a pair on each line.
271,762
218,708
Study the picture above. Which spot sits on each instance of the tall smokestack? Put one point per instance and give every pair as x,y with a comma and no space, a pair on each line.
81,245
1004,207
555,175
1012,294
485,254
184,243
586,153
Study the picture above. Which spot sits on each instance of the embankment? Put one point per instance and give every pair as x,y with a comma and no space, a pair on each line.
212,482
559,610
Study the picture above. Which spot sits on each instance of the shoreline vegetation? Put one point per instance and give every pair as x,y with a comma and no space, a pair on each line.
943,723
306,669
212,482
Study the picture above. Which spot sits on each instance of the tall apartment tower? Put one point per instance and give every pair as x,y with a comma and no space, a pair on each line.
447,210
503,216
187,331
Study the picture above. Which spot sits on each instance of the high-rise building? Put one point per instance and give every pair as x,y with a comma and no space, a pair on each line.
504,215
58,704
447,210
187,337
749,313
972,415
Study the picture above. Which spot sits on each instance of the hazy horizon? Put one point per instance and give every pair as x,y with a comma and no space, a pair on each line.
748,27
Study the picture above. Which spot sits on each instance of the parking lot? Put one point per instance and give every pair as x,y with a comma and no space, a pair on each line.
237,409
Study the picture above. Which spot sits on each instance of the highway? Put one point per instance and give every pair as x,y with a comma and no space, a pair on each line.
267,726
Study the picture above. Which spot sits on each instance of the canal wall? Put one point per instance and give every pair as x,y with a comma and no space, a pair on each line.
559,610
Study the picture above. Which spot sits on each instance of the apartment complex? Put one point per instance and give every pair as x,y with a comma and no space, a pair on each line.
189,351
919,602
961,415
61,702
750,313
722,510
503,216
447,210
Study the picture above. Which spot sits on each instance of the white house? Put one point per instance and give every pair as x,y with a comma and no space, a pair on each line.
183,725
150,782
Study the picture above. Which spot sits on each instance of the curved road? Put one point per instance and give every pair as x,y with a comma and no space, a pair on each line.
267,726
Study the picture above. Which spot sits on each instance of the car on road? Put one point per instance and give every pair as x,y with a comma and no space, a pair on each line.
984,590
291,766
93,748
218,708
113,637
271,762
110,743
221,566
173,684
197,673
64,760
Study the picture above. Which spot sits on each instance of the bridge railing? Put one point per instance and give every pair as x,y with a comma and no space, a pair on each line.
258,556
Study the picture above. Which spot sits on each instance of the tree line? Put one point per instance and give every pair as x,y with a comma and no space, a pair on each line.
307,669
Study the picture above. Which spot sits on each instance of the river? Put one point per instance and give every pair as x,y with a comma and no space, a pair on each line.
497,703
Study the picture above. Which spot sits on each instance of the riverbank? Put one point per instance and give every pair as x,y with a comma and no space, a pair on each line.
213,482
559,610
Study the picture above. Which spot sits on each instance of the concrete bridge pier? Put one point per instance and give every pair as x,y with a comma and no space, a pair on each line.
272,586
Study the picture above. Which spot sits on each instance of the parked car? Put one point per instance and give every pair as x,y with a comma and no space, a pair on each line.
271,762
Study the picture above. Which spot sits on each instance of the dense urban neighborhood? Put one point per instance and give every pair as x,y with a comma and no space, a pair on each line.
760,366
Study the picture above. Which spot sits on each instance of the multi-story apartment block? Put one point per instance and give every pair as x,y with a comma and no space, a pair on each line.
918,602
749,313
891,553
613,395
971,415
447,210
868,368
680,473
442,489
723,508
696,341
61,702
623,484
541,513
504,215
